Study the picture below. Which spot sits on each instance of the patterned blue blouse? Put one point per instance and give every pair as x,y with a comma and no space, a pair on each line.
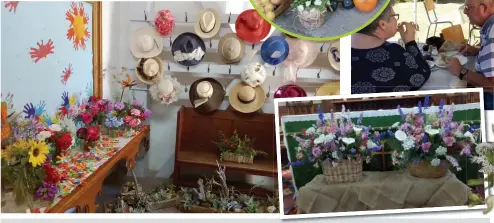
388,68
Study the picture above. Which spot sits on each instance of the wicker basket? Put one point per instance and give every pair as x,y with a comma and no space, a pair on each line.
424,169
311,20
155,206
232,157
282,8
344,171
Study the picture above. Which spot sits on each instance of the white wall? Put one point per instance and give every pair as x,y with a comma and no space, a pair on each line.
159,161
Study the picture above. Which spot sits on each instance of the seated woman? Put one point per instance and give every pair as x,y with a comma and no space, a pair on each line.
380,66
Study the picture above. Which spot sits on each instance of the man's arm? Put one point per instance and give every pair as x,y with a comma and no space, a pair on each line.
479,80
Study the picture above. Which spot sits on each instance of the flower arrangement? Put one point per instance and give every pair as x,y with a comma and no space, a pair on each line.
431,139
485,158
60,139
93,112
311,12
113,122
89,136
136,114
236,148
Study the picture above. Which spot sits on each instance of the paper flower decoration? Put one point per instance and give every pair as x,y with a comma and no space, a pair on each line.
164,22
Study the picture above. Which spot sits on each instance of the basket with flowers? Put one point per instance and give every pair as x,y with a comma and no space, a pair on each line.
426,141
338,146
236,149
59,138
311,13
135,114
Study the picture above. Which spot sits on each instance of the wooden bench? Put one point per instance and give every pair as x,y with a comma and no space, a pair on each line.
196,132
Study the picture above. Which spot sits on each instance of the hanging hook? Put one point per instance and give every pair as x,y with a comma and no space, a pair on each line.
168,66
253,45
229,17
269,92
208,68
188,68
230,70
322,47
145,16
319,73
171,43
274,71
210,43
186,17
185,83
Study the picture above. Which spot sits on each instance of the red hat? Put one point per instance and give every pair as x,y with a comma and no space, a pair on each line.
251,27
290,91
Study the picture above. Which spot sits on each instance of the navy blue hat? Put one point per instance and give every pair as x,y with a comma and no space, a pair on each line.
183,47
270,46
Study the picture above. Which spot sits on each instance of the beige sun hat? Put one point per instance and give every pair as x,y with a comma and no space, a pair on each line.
208,23
149,70
245,98
334,54
146,43
166,91
231,48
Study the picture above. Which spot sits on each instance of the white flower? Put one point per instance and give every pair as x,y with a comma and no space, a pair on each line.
300,8
441,151
316,165
342,148
432,131
362,148
371,144
458,134
43,135
334,155
357,130
435,162
408,143
323,139
317,2
271,209
395,125
400,135
69,124
310,131
469,135
307,3
299,149
347,140
55,128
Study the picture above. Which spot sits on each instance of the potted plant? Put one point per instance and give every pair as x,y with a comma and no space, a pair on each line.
310,12
162,197
89,137
337,146
426,141
236,149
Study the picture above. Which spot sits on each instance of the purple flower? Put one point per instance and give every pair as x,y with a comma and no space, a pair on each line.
147,113
352,150
109,106
316,151
420,107
448,140
419,122
466,150
119,106
332,115
401,113
365,136
321,115
426,101
47,191
136,103
426,146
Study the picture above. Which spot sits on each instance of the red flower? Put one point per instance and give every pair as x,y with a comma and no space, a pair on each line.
86,117
51,174
93,99
81,133
64,141
92,133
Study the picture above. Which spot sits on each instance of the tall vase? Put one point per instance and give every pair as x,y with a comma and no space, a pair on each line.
87,145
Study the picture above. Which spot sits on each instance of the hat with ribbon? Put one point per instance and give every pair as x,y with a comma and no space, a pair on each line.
166,91
231,48
289,91
251,27
330,88
164,22
274,50
206,94
334,54
302,54
188,49
149,70
208,23
146,43
254,74
245,98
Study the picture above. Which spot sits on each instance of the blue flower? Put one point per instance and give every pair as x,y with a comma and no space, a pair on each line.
321,115
352,150
426,101
425,138
401,113
391,133
297,163
113,122
420,107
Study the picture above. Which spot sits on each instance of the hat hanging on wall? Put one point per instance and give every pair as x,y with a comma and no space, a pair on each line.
166,91
334,54
208,23
330,88
149,70
146,43
302,54
254,74
206,94
251,27
231,48
290,91
274,50
188,49
245,98
164,22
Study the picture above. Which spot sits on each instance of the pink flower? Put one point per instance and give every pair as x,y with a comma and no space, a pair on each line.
316,152
135,112
134,123
466,150
419,122
426,146
300,156
86,118
448,140
364,136
94,109
127,119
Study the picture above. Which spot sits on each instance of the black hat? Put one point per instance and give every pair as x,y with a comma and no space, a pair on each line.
186,43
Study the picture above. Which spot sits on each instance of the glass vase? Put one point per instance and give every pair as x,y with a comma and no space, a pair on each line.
113,132
87,145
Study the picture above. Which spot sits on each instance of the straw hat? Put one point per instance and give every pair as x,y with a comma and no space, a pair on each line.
206,95
302,54
166,91
251,27
231,48
188,49
146,43
254,74
330,88
290,91
149,70
334,54
208,23
245,98
274,50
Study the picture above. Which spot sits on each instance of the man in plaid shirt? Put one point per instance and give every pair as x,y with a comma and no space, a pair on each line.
480,13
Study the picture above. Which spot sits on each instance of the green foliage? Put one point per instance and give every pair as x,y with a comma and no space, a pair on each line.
321,6
237,145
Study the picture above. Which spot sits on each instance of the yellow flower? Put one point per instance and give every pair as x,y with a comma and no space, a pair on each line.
55,120
72,99
37,152
7,153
